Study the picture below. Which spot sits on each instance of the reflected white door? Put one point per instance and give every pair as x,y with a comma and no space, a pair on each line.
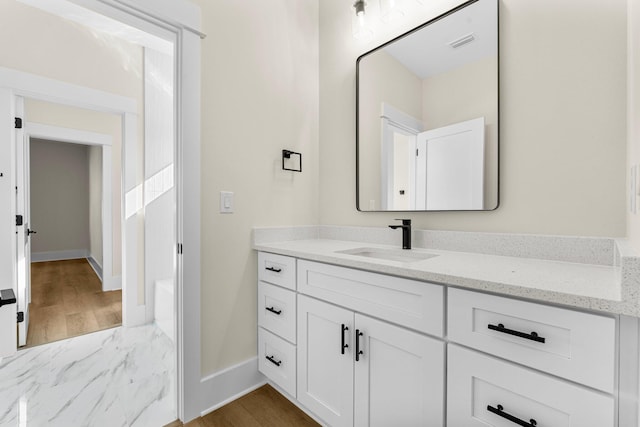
23,249
450,169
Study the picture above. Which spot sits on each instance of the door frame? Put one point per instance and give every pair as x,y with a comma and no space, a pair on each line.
181,20
104,141
392,118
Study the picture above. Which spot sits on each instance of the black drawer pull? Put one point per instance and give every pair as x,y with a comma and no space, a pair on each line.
275,270
533,336
499,411
358,351
344,345
274,361
273,310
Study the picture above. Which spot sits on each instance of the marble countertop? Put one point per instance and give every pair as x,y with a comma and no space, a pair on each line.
609,288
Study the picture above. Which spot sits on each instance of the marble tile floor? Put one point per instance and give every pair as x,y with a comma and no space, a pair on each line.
116,377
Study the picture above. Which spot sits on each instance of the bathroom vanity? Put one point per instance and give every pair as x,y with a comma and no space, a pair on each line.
366,334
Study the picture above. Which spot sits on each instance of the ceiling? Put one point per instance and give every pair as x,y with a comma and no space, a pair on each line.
427,51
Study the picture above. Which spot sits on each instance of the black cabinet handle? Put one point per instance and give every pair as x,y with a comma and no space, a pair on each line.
358,351
533,336
273,310
344,345
275,270
274,361
499,411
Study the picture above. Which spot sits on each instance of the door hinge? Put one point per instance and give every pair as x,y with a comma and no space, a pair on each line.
19,220
20,316
416,152
18,123
179,248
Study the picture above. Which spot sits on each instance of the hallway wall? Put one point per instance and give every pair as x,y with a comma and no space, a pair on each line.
59,197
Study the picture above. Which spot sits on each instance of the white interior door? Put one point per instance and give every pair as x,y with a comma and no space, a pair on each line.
23,249
453,164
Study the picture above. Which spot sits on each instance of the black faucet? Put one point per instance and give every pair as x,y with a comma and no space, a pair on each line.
406,232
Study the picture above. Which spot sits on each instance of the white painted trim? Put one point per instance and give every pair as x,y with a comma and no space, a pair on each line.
50,90
75,136
116,283
232,398
62,134
95,265
180,13
188,213
224,386
401,119
59,255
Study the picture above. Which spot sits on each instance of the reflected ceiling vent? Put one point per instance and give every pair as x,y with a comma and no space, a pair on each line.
462,41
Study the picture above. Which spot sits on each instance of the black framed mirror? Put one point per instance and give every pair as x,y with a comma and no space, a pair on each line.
427,116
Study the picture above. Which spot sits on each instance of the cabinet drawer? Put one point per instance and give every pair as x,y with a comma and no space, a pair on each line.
483,391
277,310
571,344
277,360
277,269
416,305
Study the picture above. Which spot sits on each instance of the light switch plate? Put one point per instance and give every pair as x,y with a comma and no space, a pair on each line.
226,202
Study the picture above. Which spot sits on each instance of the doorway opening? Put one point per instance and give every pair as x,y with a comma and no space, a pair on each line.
176,23
74,287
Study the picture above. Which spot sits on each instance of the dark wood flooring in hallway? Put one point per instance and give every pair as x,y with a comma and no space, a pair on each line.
67,301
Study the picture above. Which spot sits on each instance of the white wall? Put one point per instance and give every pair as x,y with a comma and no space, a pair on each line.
563,112
59,197
259,96
95,203
633,146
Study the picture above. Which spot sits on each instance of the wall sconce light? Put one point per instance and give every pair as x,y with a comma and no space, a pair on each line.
360,25
367,15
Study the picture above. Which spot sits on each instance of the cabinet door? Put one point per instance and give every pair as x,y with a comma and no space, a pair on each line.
325,374
399,377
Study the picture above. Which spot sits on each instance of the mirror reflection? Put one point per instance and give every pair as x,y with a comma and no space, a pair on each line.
428,116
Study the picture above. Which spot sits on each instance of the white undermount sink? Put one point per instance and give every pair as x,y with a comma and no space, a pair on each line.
401,255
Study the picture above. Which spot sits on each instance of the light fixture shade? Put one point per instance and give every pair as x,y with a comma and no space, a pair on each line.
360,25
391,10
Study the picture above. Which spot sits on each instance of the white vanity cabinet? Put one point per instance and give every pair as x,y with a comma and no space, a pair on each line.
486,391
358,348
277,320
357,370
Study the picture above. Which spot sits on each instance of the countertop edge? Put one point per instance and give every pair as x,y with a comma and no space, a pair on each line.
628,305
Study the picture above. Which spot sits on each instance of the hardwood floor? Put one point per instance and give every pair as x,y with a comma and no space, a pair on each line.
67,301
263,407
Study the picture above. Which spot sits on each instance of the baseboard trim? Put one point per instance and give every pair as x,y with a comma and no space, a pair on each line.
229,384
115,283
95,265
59,255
